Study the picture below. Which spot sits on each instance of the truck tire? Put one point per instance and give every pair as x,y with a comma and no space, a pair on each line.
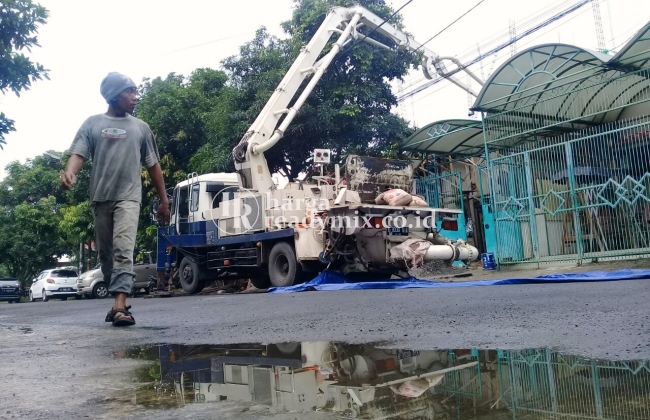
284,269
260,281
287,348
191,280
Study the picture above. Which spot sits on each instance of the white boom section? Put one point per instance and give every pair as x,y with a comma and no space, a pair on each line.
264,133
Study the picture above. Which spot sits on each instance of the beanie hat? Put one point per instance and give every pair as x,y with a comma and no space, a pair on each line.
114,84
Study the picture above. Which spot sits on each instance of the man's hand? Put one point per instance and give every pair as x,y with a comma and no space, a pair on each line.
69,174
68,179
163,208
163,212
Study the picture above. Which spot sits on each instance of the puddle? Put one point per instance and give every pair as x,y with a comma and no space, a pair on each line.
372,381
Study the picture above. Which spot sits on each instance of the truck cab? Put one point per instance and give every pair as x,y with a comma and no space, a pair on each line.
196,199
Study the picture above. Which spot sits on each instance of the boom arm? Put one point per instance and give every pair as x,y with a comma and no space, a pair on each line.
264,133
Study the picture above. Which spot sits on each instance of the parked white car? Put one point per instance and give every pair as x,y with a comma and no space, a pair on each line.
55,283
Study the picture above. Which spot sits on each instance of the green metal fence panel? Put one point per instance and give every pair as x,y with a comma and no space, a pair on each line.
542,384
443,190
570,170
582,196
465,382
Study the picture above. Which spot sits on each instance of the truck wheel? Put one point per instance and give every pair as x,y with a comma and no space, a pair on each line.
284,269
287,348
191,281
260,281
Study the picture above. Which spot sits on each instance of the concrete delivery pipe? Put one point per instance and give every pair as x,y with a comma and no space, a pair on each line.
453,252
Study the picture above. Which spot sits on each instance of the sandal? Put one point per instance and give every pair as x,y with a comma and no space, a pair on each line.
109,315
126,320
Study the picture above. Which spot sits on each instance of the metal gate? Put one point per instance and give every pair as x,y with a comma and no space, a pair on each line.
445,191
585,196
542,384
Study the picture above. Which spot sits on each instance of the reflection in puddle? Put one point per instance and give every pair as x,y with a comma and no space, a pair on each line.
369,381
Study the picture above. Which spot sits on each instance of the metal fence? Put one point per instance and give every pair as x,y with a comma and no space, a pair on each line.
542,384
580,198
443,190
565,186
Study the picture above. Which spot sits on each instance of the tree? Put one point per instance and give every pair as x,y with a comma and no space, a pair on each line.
178,109
30,238
19,20
39,222
28,182
184,113
349,111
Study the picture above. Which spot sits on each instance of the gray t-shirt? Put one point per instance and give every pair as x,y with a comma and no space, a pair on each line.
119,147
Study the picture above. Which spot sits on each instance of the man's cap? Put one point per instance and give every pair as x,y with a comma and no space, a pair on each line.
114,84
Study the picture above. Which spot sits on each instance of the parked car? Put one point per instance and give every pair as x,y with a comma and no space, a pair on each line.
54,283
91,283
10,290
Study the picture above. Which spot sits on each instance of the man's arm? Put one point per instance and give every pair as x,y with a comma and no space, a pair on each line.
72,168
158,181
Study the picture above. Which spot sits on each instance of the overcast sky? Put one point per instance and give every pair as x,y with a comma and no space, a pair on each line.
83,40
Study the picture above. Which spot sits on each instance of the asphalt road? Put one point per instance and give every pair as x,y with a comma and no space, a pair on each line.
58,358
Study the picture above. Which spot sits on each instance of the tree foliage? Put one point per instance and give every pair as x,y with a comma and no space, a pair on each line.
39,222
30,238
19,20
349,111
179,111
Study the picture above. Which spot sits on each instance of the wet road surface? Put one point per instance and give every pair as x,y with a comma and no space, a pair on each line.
61,360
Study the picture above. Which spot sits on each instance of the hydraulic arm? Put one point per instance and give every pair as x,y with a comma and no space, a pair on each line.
265,132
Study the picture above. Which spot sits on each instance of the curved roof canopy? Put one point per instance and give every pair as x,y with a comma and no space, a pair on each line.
456,138
558,87
537,72
636,53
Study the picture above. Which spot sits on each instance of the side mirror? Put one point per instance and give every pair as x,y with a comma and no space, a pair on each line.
34,281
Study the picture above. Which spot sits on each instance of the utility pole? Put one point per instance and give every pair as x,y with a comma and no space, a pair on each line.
512,30
600,33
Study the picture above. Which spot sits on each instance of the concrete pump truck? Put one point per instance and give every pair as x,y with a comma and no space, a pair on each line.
245,225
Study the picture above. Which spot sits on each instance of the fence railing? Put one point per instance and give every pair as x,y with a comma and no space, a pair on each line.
582,196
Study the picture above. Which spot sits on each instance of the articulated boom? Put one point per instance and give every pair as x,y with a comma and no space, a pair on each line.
264,133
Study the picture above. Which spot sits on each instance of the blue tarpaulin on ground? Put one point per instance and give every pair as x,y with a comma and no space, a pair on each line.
330,280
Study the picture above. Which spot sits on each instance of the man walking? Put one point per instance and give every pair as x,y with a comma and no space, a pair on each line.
119,145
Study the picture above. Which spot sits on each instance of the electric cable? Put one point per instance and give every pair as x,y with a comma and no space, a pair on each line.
498,37
496,49
524,44
450,25
355,43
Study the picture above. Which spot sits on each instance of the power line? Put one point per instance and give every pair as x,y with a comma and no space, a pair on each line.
498,48
501,35
451,24
355,43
